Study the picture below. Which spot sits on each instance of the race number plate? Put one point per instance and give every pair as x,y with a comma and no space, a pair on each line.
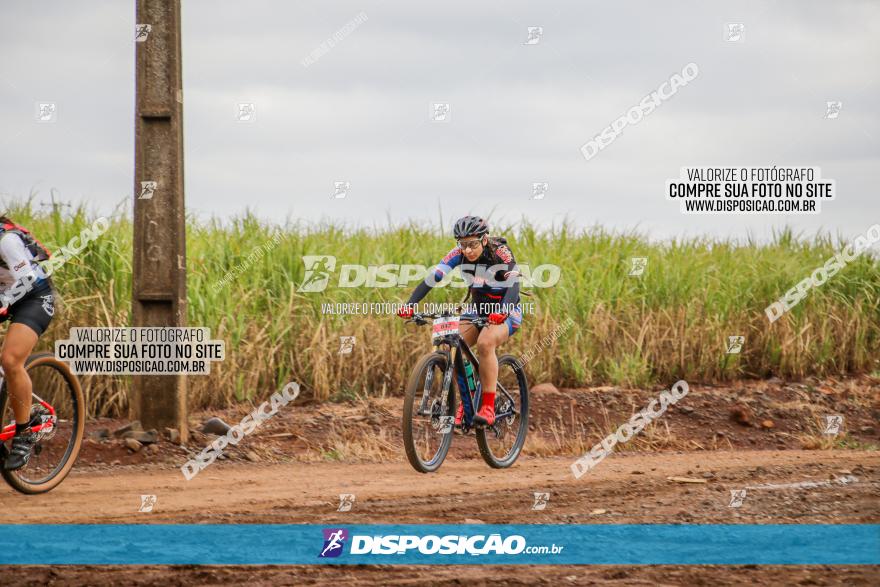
444,327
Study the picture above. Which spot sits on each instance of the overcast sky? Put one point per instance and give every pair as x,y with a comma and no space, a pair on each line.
519,112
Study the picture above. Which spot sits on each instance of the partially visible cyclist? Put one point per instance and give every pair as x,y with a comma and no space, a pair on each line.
488,265
28,299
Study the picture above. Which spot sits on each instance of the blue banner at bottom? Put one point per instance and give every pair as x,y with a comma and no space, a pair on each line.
294,544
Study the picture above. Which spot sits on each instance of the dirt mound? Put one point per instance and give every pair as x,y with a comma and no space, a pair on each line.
749,415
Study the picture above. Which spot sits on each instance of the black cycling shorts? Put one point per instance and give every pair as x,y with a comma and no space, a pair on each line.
35,309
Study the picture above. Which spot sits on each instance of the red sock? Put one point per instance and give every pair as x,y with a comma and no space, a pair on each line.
488,399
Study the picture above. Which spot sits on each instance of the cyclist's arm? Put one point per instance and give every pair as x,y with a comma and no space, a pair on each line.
511,295
448,263
511,275
16,257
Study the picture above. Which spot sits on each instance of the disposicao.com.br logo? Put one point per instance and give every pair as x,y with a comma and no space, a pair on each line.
319,269
397,544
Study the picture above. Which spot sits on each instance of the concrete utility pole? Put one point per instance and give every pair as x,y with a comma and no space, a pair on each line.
159,283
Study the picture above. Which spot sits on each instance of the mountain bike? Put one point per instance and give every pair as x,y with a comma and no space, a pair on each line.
57,417
429,406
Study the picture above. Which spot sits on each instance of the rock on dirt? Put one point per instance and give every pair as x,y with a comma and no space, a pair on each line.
544,388
741,414
215,426
143,437
132,444
131,426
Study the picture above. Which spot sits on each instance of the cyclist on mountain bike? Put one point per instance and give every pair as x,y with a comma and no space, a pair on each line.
27,297
493,283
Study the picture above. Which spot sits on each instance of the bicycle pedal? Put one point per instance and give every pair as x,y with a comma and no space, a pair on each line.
481,423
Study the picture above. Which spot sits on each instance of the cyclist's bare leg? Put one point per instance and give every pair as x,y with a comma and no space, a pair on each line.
492,336
468,332
20,341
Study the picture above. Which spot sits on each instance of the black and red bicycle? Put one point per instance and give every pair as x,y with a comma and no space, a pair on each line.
58,419
429,406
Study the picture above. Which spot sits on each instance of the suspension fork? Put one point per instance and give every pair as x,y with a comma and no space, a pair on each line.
429,383
447,382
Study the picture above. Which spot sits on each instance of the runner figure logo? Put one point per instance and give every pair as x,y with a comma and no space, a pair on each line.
346,501
246,112
445,424
48,304
541,501
832,424
440,112
539,189
148,189
334,539
735,344
832,109
535,34
147,503
46,112
141,32
346,344
340,189
735,32
737,496
638,266
317,274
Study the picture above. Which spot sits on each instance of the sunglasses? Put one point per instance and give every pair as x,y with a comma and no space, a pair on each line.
471,244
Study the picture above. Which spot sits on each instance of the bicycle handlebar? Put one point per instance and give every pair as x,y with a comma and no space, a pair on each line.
422,318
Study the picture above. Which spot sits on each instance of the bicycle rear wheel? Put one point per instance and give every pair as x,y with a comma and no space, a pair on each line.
427,425
57,448
501,443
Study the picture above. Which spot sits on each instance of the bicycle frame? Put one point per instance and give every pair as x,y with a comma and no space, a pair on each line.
45,426
470,398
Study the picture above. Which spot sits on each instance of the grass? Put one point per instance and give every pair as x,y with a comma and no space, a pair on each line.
670,323
570,435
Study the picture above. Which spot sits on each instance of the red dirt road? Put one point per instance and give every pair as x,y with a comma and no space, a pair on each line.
841,487
632,488
297,480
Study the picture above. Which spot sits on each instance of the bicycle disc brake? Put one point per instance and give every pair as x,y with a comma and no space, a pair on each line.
508,406
502,426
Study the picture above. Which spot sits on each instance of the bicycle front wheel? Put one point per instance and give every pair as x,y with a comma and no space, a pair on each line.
57,445
427,422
